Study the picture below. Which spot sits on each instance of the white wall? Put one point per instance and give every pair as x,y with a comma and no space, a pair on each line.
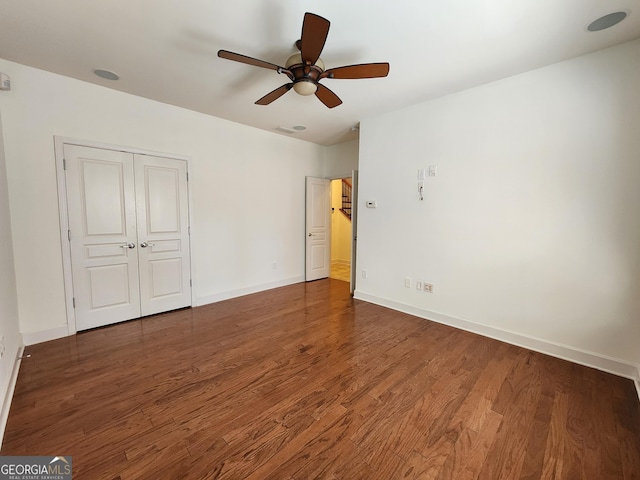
9,327
530,232
341,159
247,188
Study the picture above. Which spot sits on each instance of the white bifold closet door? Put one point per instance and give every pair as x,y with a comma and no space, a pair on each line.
129,234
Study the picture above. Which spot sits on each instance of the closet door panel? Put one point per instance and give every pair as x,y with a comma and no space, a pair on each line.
163,233
102,231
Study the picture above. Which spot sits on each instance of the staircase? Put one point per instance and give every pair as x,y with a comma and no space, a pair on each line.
346,198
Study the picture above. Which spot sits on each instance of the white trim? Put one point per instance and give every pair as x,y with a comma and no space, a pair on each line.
190,216
45,335
582,357
59,143
118,148
8,395
63,214
218,297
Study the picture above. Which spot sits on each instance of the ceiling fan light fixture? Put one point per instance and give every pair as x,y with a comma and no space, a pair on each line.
305,87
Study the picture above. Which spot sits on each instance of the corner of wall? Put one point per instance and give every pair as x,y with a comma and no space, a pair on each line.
32,338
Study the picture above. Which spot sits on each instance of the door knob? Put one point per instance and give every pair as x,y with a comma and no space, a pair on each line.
144,244
129,245
310,235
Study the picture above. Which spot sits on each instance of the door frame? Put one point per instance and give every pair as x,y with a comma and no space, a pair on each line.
354,224
63,212
354,230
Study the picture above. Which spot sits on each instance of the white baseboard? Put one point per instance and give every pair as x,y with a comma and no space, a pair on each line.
45,335
218,297
607,364
8,395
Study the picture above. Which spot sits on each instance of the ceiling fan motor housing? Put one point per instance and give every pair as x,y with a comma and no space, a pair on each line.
305,77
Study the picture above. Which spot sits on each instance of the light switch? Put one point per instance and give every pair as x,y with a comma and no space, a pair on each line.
421,174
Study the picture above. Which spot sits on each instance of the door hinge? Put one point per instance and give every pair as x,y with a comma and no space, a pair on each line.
190,283
64,163
74,302
187,176
189,230
69,235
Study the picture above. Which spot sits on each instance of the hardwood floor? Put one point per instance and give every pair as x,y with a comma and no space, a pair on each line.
340,271
304,382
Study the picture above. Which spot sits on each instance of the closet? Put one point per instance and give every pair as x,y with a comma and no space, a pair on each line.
128,232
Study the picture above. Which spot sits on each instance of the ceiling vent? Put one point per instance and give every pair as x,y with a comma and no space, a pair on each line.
284,130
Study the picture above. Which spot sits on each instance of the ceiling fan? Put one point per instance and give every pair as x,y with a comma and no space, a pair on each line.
306,69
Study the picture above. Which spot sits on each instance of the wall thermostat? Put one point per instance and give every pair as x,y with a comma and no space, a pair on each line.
5,82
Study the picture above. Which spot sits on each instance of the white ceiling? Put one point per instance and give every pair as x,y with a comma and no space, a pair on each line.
166,50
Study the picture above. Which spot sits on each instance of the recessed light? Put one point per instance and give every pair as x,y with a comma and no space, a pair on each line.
299,127
606,21
106,74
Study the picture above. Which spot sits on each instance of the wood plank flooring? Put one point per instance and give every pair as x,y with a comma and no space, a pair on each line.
304,382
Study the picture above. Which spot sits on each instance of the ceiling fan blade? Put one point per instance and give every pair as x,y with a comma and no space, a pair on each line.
274,95
365,70
327,97
314,34
236,57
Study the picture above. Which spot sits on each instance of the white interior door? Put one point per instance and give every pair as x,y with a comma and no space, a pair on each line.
318,228
128,234
163,233
102,234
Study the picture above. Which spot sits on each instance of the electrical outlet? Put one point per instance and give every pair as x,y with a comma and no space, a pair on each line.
407,282
364,273
418,285
428,287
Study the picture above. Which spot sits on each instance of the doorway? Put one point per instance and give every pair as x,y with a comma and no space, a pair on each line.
341,228
325,249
